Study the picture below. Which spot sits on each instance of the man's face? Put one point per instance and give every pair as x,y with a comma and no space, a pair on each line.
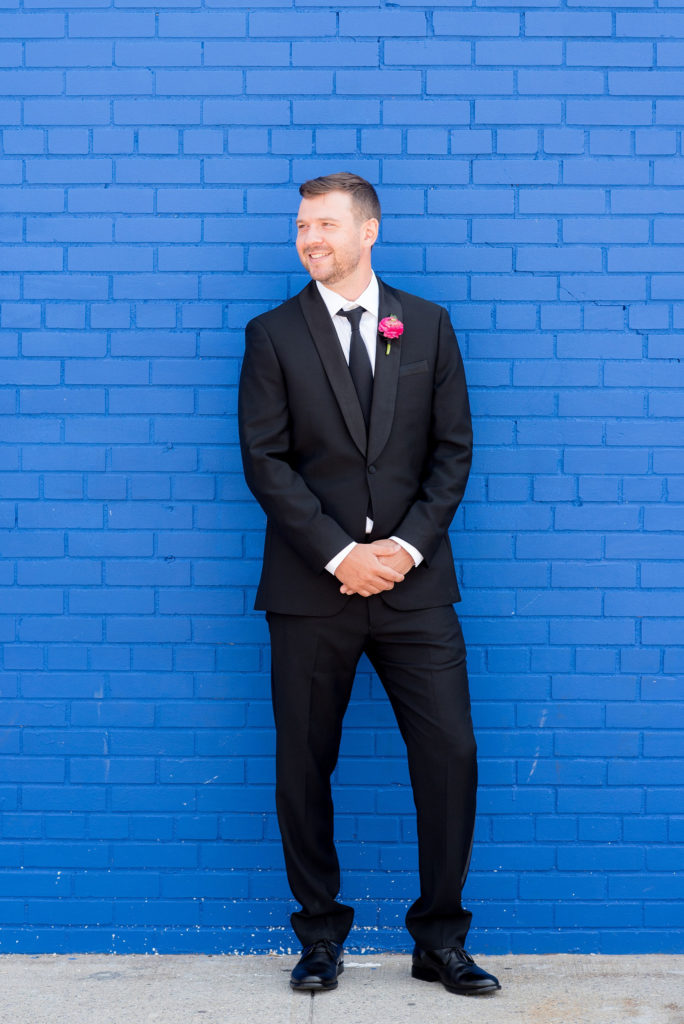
333,242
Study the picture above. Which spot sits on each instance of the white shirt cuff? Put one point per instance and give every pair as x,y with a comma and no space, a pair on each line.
334,562
413,552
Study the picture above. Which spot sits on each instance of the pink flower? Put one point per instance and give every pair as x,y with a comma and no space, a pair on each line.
391,327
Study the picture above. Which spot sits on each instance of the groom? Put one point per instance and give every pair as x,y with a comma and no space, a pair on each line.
356,441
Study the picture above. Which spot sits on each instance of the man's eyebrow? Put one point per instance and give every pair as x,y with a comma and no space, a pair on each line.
304,220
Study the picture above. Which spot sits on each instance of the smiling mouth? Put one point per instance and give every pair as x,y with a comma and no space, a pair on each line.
317,255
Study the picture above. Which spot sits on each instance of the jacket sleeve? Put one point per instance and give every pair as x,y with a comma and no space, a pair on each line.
263,415
448,465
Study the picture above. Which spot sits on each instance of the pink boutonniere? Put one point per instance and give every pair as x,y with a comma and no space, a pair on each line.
392,328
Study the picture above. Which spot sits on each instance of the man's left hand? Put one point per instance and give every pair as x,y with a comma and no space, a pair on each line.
390,554
400,560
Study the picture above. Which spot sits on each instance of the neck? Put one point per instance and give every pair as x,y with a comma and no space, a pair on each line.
352,287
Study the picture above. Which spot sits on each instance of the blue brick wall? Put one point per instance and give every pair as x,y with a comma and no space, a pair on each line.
530,166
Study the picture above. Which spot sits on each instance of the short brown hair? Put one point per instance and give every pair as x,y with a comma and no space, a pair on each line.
363,196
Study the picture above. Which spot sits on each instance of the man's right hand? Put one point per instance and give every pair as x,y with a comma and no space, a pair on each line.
362,572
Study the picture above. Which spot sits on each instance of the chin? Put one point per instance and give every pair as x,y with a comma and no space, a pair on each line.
315,270
319,274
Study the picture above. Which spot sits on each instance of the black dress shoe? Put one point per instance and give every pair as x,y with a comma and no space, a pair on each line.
318,966
455,968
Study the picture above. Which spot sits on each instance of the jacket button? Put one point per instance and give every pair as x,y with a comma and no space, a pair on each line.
371,469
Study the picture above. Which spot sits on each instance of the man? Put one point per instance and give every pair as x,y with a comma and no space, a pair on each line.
356,441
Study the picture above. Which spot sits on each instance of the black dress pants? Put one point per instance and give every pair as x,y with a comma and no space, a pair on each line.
420,659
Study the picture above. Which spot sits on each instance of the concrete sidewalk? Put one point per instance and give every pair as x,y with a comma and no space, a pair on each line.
93,989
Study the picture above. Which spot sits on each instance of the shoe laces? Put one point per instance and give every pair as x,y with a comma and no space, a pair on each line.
460,954
323,946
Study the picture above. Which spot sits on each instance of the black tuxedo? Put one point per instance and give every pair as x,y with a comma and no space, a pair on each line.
318,473
311,467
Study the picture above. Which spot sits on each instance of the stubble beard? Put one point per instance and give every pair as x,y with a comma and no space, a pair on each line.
343,266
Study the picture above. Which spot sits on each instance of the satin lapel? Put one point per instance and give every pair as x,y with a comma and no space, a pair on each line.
327,343
386,377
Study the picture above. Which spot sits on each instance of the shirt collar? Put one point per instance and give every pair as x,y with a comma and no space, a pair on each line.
369,299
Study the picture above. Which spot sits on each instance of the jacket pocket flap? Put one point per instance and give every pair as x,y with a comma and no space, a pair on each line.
407,368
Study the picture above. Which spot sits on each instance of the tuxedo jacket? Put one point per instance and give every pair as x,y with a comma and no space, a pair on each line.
317,472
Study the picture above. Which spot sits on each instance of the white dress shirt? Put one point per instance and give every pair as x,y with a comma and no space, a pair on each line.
369,300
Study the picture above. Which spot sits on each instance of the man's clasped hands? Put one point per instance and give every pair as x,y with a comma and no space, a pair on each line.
374,567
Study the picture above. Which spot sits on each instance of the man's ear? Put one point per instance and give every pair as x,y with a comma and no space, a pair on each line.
370,231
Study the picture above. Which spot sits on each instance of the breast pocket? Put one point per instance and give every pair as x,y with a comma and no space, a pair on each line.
408,368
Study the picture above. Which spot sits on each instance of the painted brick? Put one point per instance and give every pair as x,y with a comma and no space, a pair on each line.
466,23
242,112
661,25
131,548
391,23
518,52
378,82
469,82
564,25
429,52
609,54
610,143
516,111
113,24
210,24
425,112
30,83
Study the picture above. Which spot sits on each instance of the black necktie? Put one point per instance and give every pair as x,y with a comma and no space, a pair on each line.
359,361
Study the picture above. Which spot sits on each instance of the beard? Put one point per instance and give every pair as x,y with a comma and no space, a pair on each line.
334,268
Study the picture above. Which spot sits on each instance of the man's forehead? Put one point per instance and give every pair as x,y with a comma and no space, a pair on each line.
329,204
